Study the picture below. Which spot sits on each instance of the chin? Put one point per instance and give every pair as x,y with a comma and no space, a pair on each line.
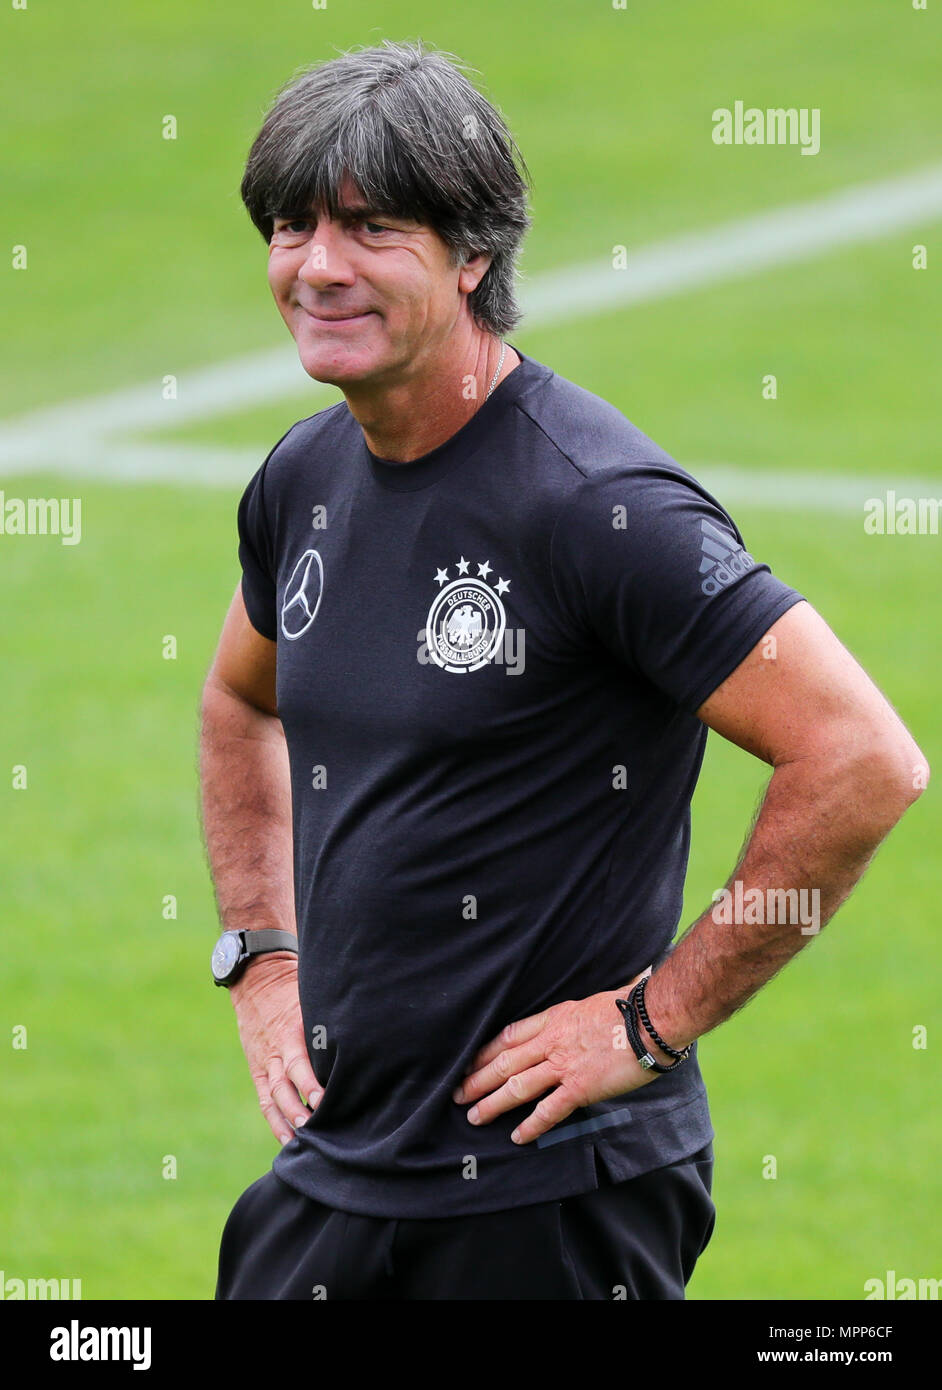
335,368
334,375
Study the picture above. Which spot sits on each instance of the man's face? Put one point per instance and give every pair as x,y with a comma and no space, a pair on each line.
364,299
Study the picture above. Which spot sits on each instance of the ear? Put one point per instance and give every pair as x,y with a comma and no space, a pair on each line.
473,272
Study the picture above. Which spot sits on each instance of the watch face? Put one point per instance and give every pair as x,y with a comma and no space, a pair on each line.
226,954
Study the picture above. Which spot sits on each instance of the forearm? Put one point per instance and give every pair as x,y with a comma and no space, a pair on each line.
246,806
818,828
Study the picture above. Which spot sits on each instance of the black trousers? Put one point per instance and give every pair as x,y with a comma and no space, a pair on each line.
637,1239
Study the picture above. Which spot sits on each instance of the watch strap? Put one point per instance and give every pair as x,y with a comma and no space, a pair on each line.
268,939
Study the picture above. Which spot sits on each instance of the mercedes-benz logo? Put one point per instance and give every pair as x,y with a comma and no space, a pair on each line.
302,596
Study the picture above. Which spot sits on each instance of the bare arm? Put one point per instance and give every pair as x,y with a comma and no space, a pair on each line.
246,803
246,794
845,770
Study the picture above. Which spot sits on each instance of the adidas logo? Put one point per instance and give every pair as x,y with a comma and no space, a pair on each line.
721,562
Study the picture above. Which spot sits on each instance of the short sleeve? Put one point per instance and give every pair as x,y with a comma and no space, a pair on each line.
647,562
256,556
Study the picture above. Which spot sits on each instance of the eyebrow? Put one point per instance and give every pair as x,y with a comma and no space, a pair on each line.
349,212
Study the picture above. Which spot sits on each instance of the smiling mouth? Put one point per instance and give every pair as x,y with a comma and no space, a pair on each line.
335,318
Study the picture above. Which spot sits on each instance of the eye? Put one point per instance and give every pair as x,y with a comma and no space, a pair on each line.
290,232
295,229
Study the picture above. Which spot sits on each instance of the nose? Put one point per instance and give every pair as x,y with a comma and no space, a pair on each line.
328,261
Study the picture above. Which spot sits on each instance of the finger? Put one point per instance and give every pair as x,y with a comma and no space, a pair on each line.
288,1101
505,1065
301,1075
519,1088
519,1032
551,1109
276,1120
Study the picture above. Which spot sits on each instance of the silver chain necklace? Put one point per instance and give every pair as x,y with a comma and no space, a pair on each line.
503,353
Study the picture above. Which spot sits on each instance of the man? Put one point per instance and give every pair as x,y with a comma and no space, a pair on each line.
451,734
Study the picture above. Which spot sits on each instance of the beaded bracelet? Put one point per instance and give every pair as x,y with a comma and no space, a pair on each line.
652,1033
646,1059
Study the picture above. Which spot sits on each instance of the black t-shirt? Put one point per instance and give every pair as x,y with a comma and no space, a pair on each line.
488,664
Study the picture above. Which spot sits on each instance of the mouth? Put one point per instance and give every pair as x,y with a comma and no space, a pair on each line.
334,320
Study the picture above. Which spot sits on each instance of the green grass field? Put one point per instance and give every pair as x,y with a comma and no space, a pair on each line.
142,262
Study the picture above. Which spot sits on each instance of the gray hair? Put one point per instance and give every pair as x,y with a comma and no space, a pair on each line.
419,142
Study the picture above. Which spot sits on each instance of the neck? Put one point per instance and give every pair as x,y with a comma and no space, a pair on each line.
408,419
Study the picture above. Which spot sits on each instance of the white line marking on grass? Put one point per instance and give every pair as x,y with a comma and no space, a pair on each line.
82,438
735,485
862,213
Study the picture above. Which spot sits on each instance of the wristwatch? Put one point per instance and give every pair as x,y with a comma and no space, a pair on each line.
234,949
